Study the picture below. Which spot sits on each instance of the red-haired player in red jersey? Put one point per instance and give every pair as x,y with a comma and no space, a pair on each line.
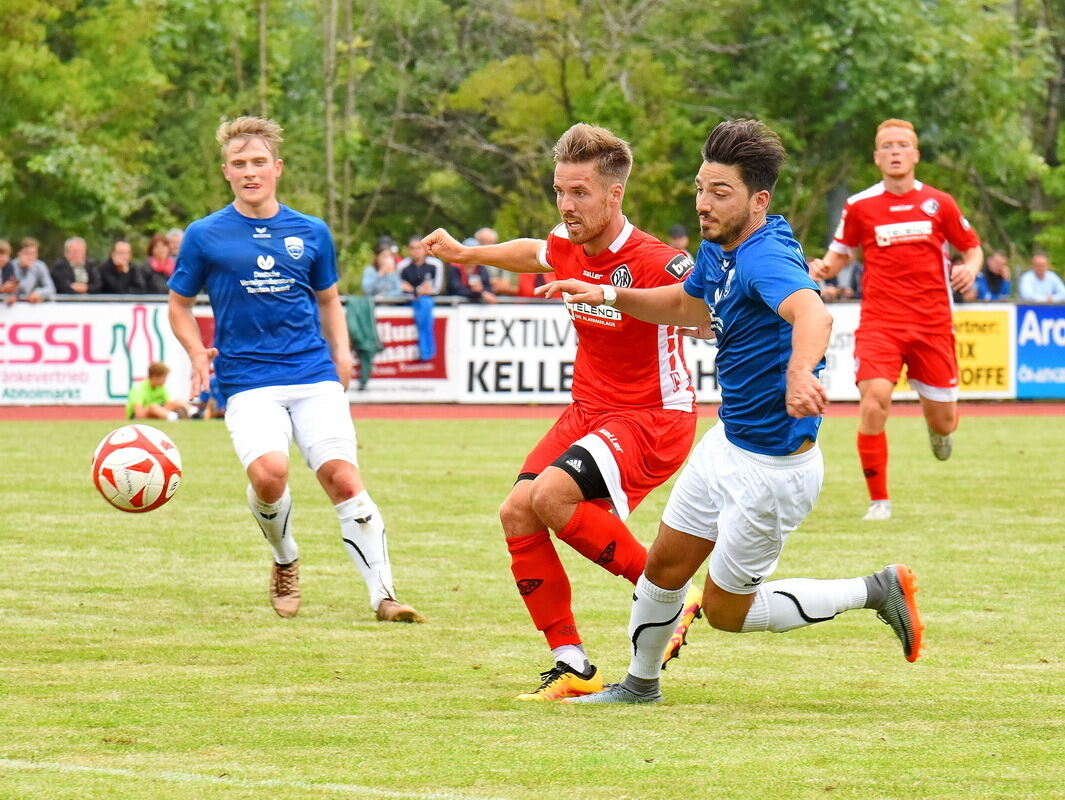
902,227
632,420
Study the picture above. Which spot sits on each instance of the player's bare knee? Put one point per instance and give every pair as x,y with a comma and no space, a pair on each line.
722,619
516,515
663,572
269,476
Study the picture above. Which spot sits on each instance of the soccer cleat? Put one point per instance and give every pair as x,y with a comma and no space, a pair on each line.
894,596
563,681
878,509
285,589
389,610
616,693
942,444
691,611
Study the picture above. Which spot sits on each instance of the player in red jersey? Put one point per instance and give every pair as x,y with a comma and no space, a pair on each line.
632,419
902,227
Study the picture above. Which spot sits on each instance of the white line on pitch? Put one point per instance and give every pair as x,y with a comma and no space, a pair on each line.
196,777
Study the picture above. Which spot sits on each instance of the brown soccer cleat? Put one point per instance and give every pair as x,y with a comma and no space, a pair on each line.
285,589
389,610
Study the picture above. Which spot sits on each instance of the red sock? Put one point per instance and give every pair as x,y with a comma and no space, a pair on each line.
873,453
601,537
544,586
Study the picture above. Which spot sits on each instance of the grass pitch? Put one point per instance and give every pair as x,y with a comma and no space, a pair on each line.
139,657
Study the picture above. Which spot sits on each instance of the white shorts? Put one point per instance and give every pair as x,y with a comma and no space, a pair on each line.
746,502
265,420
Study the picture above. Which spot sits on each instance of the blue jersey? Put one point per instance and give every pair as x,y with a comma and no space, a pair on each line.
743,289
261,276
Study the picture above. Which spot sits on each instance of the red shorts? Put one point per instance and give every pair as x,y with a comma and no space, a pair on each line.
636,451
930,358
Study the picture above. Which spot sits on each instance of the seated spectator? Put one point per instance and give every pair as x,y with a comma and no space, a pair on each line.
470,281
149,399
173,241
119,275
380,279
1040,284
160,264
993,280
678,239
33,282
500,281
212,403
844,285
420,273
74,273
8,283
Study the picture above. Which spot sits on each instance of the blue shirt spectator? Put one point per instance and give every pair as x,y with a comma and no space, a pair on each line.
993,281
1039,284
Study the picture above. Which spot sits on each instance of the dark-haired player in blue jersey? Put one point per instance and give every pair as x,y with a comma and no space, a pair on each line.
282,358
756,474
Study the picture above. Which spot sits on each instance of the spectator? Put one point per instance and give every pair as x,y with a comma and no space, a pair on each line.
500,281
74,273
386,242
380,279
993,281
119,275
173,241
33,281
160,264
678,239
421,274
7,269
470,281
845,285
149,399
1040,284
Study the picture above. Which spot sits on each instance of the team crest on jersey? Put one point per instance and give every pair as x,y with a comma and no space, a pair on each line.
930,207
261,233
265,262
679,265
965,224
621,277
294,246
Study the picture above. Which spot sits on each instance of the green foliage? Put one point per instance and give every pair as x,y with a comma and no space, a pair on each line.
446,111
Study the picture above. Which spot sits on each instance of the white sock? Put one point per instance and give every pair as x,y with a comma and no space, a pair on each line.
363,532
275,520
797,602
573,655
654,616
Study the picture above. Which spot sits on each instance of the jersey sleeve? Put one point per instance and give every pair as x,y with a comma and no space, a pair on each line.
848,236
956,227
665,266
190,272
323,273
695,282
775,278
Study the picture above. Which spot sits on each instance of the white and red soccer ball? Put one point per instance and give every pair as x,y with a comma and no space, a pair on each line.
136,468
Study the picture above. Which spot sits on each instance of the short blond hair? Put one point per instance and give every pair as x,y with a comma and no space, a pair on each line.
582,143
250,128
896,123
157,369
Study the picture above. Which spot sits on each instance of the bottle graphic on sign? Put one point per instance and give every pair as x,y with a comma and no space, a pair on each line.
140,345
120,370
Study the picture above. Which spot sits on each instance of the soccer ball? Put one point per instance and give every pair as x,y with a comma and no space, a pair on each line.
136,468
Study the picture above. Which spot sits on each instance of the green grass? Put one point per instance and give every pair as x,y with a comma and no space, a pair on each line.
140,659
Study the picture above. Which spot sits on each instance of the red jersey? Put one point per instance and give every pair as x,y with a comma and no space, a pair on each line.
623,362
903,237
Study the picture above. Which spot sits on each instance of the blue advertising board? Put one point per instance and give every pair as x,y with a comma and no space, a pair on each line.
1040,351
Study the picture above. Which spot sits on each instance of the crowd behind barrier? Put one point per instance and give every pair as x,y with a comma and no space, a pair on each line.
92,350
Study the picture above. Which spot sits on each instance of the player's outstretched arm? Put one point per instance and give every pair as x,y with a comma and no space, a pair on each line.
662,305
517,255
811,327
335,332
185,329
